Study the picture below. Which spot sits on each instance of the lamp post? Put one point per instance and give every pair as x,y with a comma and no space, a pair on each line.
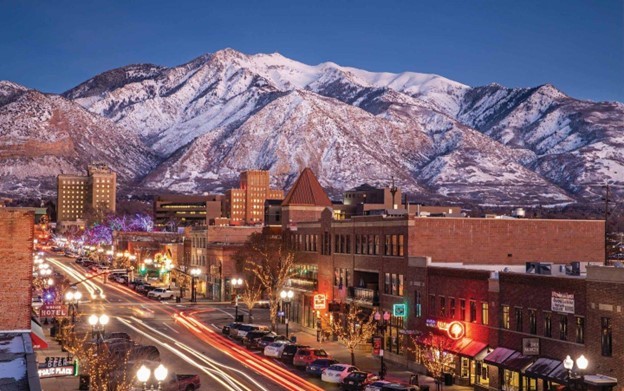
98,327
286,296
236,283
195,272
160,374
382,321
581,365
72,298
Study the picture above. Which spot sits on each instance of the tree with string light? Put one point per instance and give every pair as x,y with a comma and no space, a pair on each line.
251,295
432,352
356,328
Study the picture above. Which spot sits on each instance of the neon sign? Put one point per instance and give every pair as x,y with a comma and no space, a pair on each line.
455,329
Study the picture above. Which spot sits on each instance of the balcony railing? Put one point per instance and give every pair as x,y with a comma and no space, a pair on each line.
364,295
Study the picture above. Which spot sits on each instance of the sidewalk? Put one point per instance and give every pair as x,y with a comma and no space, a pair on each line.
54,350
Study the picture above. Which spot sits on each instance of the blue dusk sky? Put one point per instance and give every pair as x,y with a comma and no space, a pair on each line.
576,45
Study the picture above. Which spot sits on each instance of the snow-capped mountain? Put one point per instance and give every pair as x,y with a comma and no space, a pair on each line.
42,136
227,111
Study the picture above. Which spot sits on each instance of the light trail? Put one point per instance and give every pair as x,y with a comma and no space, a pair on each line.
89,285
263,366
202,357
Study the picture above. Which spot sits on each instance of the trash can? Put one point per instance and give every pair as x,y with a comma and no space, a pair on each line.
293,338
83,382
448,379
413,380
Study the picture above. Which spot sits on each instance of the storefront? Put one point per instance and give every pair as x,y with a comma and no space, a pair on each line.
472,370
510,365
549,374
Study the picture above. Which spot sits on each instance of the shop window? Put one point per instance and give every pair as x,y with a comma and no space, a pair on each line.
482,374
580,329
442,307
473,311
532,322
417,304
606,342
563,327
547,324
518,313
452,308
462,309
485,313
505,317
511,380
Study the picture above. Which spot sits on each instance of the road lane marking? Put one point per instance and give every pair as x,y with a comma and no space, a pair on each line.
170,328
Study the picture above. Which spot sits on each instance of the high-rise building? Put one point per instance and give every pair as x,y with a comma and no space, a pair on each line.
76,193
246,204
173,210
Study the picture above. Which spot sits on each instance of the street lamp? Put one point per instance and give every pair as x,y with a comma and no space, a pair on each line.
98,324
195,272
581,365
236,283
160,374
286,296
382,321
72,298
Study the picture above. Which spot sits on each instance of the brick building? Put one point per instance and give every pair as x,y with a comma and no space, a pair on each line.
245,205
172,211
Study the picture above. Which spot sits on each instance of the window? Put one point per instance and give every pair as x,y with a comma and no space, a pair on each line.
401,245
485,313
580,329
563,327
532,322
395,287
518,313
400,284
442,307
462,309
547,324
505,317
418,304
473,311
357,244
452,308
377,244
387,283
606,338
432,305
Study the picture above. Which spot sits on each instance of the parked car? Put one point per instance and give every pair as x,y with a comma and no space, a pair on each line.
399,387
289,352
119,334
175,382
376,385
275,349
227,329
161,294
242,331
316,367
269,339
304,356
357,380
337,372
250,341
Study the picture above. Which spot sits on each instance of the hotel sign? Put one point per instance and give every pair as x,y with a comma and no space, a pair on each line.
52,310
562,302
320,302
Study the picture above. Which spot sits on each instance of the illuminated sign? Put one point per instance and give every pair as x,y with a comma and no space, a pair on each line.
320,302
67,370
399,310
52,310
562,302
455,329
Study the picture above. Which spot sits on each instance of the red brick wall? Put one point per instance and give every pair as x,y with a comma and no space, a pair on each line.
16,244
507,241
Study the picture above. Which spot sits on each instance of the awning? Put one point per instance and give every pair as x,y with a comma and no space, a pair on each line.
601,380
37,336
459,345
498,356
542,367
473,349
559,374
517,362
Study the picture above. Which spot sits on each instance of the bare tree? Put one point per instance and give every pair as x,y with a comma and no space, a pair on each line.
432,352
272,264
355,328
251,295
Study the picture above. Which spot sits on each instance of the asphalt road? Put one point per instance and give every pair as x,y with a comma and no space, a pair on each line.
186,345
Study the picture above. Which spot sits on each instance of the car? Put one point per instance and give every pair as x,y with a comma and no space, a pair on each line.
357,380
315,368
289,352
269,339
121,279
275,349
304,356
227,329
398,387
160,294
250,341
337,372
376,385
245,328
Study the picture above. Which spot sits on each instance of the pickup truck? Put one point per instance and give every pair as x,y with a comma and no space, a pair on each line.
160,294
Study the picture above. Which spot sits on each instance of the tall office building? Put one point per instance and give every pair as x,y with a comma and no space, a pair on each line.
76,193
246,204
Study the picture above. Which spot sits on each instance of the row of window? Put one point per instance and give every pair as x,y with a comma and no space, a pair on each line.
393,245
393,284
452,308
547,319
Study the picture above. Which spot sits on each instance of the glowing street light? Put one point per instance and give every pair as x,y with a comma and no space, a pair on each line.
195,272
160,374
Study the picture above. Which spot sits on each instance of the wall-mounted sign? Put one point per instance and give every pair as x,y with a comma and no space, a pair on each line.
530,346
455,329
320,302
399,310
562,302
68,370
52,310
